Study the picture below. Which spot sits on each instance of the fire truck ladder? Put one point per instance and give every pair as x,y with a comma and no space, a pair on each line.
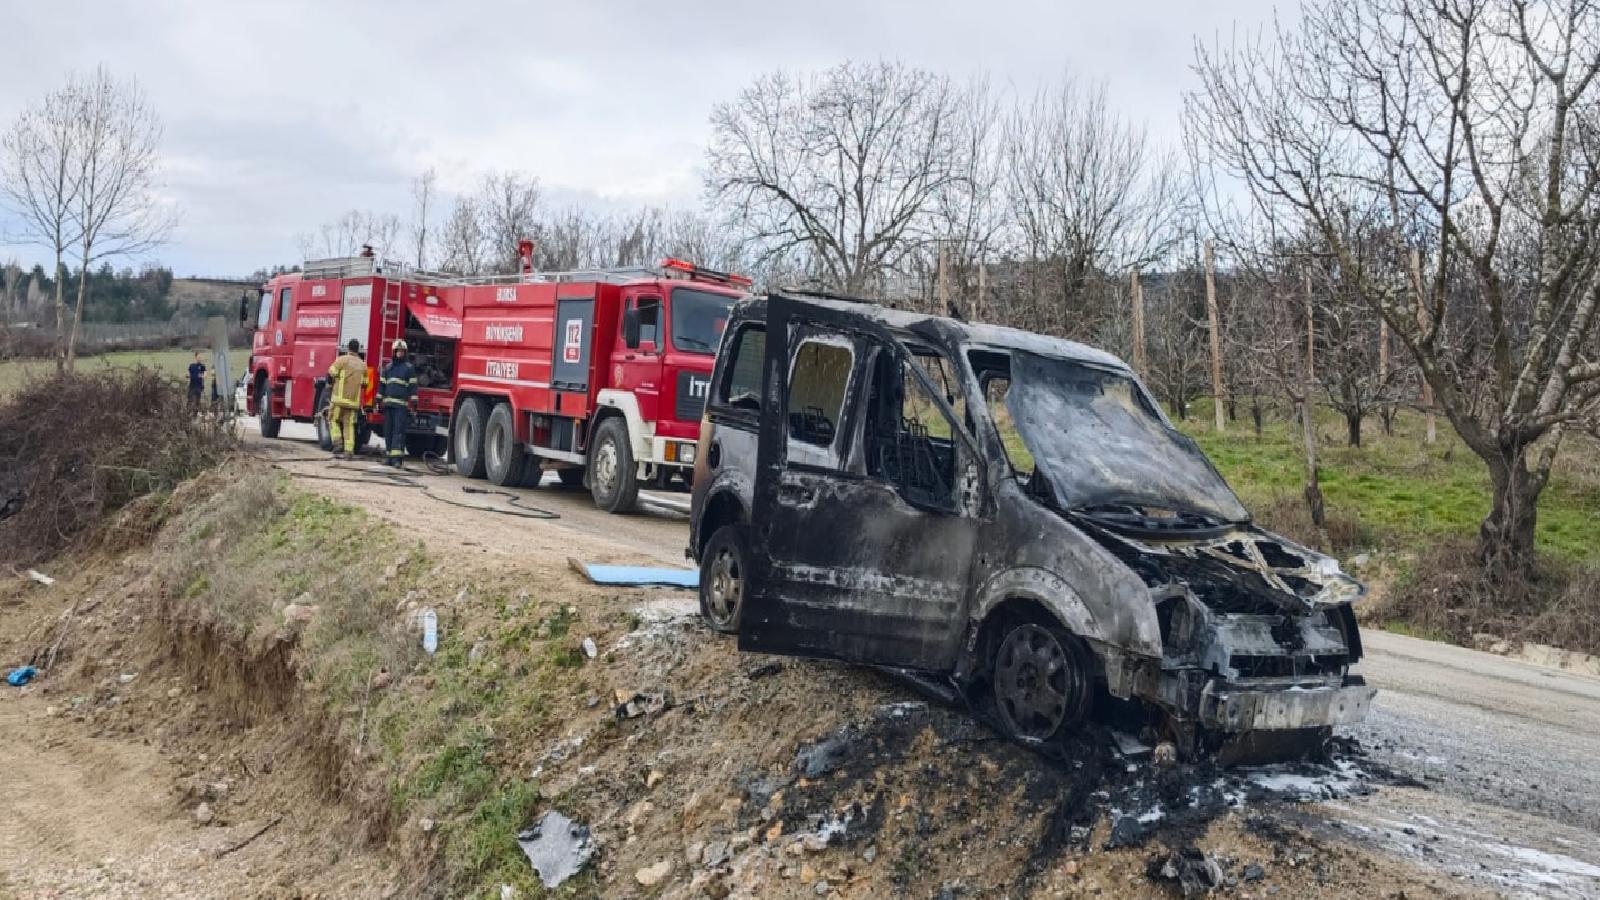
390,328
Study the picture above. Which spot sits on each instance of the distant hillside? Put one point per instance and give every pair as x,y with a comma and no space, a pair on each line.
191,292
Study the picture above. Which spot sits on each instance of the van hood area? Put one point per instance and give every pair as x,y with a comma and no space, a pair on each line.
1239,570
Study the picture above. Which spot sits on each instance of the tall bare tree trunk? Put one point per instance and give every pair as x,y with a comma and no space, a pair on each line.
61,315
1506,536
1308,425
1216,338
1385,408
944,280
983,285
1422,326
1137,292
77,316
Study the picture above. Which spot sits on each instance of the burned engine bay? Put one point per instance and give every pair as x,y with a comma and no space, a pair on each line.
1257,632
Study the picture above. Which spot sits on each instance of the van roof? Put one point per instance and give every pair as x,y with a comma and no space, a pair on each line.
951,331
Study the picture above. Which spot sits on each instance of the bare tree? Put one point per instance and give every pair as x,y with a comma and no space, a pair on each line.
837,171
38,179
506,205
422,199
350,232
462,245
1088,193
1474,125
116,153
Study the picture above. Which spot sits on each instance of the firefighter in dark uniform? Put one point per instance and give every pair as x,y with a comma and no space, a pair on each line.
397,391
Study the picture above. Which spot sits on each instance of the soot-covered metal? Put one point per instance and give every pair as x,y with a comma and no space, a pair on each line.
1008,510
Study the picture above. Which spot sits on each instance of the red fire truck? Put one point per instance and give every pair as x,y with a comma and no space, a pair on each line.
600,375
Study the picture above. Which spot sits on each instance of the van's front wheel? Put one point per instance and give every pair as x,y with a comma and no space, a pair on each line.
1042,685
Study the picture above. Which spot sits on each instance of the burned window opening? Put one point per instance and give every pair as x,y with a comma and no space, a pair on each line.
741,386
819,380
909,441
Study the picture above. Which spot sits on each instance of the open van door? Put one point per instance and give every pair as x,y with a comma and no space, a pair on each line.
865,502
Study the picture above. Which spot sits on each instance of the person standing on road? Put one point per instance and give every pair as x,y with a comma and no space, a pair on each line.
398,388
347,379
197,381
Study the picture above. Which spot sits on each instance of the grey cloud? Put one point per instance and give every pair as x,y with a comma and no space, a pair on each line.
282,115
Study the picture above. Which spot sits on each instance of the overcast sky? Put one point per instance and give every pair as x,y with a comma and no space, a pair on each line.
279,116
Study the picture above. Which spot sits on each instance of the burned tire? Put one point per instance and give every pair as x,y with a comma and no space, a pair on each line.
722,569
1042,682
612,478
570,477
467,438
270,424
504,460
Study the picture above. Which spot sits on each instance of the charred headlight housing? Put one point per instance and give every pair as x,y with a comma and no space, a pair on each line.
1179,623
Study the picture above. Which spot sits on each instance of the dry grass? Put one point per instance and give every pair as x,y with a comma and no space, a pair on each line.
1446,595
84,446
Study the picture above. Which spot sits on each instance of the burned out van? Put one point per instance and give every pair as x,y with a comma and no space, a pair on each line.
1010,512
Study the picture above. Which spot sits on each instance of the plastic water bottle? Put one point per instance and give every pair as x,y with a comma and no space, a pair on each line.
430,630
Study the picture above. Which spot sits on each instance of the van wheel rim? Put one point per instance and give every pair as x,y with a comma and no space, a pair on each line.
725,586
605,466
1034,679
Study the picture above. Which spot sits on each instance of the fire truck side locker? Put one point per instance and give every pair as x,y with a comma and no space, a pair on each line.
570,375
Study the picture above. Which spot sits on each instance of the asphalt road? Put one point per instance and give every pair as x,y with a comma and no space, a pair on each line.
1505,751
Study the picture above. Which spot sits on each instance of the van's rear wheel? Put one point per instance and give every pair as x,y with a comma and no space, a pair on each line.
612,478
505,461
722,579
468,438
1042,684
270,424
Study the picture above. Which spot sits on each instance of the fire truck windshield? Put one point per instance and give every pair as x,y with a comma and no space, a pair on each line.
697,319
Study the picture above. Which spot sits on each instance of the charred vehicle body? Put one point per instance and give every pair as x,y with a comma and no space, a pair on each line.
1011,512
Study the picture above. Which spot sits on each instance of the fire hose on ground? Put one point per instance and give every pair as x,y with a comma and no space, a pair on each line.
383,475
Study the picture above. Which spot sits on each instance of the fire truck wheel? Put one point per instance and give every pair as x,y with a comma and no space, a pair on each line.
324,429
270,424
504,459
468,438
612,478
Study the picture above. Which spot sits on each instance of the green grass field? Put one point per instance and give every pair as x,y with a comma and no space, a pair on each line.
14,373
1400,490
1393,492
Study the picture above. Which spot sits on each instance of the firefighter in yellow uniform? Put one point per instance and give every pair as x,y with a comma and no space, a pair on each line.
347,379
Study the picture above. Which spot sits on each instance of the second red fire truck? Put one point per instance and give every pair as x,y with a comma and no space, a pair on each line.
600,375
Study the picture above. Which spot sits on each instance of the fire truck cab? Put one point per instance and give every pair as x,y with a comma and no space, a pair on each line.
600,375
